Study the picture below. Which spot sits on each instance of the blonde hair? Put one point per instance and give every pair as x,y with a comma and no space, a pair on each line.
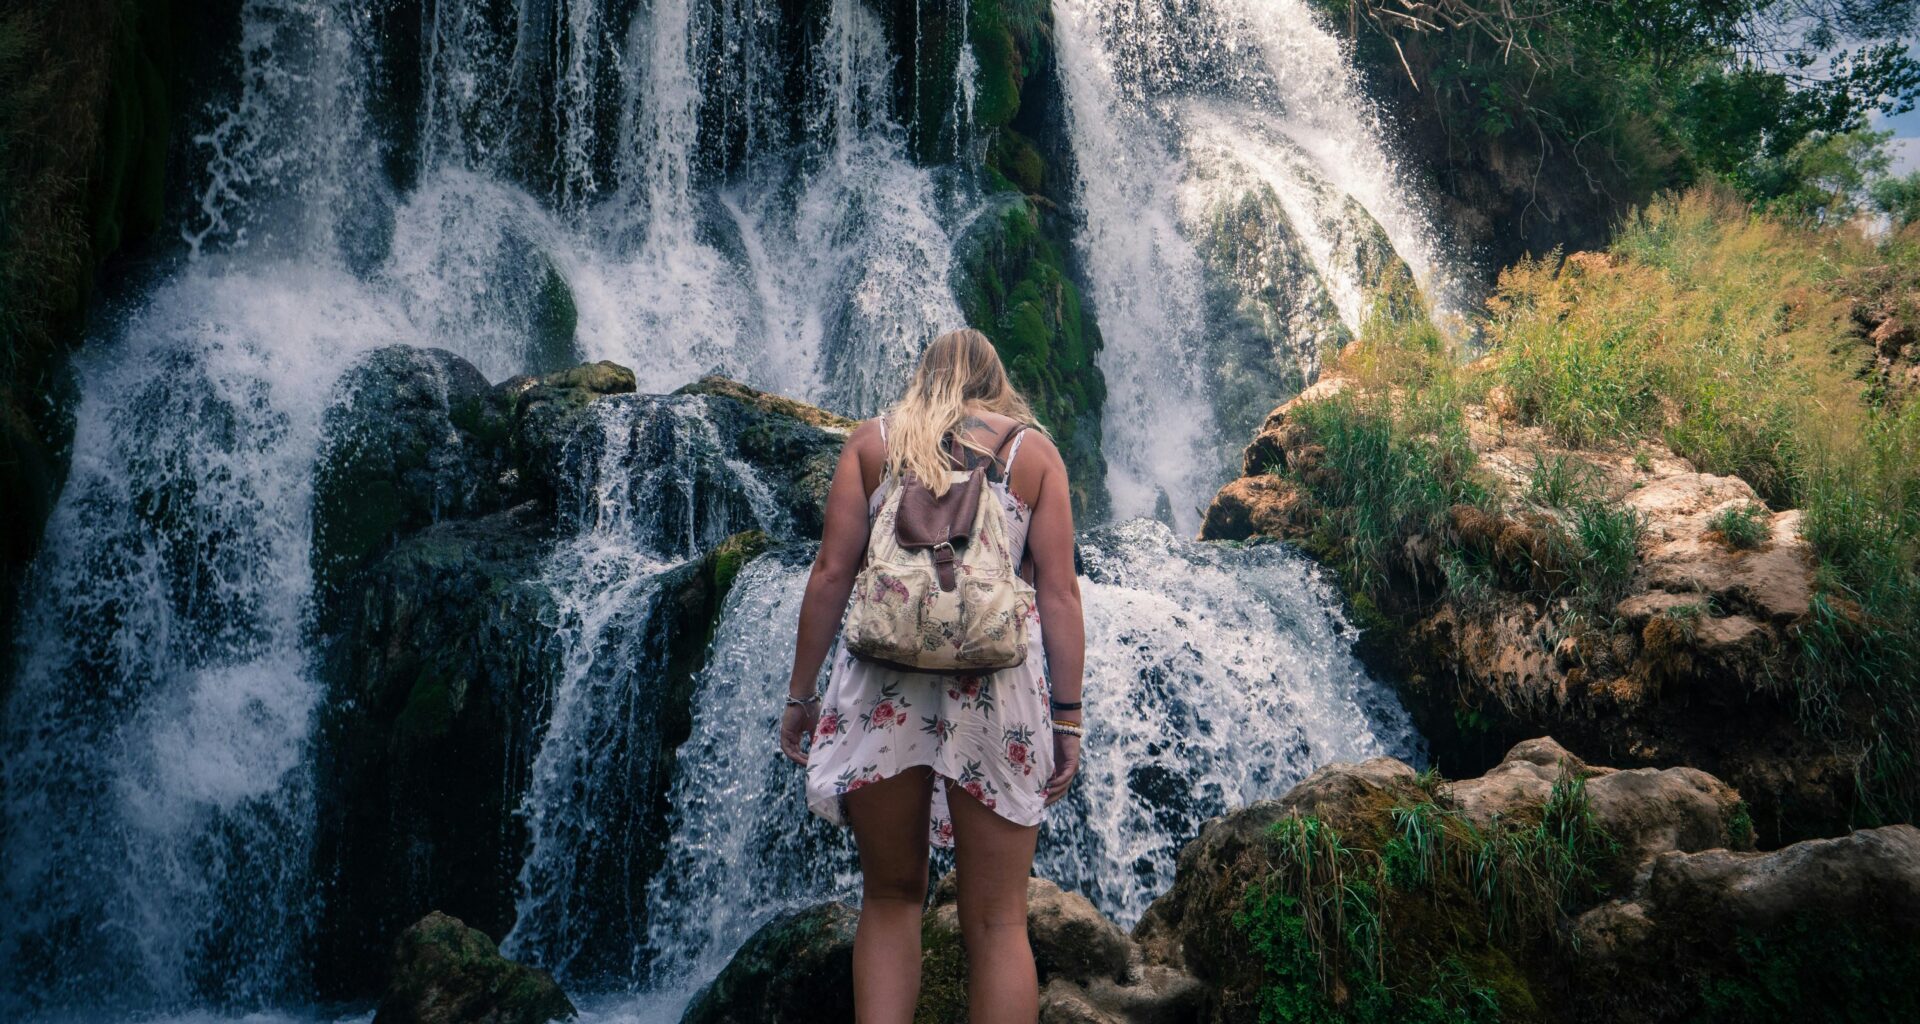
959,369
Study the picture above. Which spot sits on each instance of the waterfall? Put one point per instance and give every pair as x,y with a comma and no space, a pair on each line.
682,187
1160,96
1215,677
656,490
154,762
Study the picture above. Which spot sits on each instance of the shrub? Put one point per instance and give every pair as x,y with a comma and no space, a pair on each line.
1742,526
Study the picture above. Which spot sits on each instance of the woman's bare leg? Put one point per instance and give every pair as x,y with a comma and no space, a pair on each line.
994,856
889,821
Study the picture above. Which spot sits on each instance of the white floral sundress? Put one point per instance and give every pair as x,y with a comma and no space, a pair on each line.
991,734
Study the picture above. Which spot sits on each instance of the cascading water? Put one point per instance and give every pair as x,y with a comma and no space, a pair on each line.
1214,678
679,186
1185,117
659,490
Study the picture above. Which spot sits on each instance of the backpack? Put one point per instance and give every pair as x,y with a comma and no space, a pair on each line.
941,591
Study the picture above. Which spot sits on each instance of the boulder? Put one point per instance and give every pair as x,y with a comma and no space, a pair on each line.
1825,929
444,972
1257,506
797,969
402,450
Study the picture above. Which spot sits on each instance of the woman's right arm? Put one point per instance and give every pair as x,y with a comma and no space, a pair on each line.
1050,540
843,544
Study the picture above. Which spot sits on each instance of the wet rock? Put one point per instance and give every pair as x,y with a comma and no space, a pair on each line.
400,453
437,638
792,447
436,668
444,972
797,969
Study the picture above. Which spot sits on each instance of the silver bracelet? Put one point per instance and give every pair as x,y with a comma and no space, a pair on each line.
792,700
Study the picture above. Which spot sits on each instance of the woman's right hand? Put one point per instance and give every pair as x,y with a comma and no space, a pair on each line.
796,724
1066,764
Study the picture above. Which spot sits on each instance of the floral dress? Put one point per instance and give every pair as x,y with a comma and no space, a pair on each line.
991,734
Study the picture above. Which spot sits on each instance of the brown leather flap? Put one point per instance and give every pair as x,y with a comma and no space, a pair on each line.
926,520
945,522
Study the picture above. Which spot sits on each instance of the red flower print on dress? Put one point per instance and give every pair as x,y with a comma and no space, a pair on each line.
1019,741
828,726
853,778
889,709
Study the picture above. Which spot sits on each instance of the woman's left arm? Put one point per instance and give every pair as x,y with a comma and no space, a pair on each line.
843,543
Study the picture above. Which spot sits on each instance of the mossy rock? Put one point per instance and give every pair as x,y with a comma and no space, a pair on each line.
792,447
797,969
447,973
394,458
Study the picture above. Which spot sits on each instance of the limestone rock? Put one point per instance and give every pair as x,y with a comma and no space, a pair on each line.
1686,667
447,973
1256,506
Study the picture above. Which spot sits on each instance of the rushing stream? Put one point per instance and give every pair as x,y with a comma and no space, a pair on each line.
679,186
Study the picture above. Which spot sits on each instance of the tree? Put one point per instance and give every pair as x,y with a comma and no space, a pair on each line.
1898,198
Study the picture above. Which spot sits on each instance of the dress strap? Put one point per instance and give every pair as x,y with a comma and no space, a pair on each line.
1019,435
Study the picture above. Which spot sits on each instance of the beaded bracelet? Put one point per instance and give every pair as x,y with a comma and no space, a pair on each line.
815,699
1069,728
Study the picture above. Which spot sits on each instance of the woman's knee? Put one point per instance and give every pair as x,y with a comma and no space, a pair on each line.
903,884
993,916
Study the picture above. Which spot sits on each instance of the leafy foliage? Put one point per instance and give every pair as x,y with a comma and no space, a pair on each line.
1624,99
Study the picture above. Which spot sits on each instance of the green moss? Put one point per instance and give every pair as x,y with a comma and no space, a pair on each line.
1016,289
1740,826
1815,970
726,561
1001,71
943,976
1330,951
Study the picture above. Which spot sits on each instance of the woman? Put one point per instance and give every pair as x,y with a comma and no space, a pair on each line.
910,759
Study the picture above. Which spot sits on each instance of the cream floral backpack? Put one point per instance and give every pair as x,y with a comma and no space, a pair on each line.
941,591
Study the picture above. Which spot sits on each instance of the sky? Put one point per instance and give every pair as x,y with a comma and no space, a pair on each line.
1905,144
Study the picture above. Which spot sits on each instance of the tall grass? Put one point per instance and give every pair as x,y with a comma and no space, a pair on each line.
1728,336
1706,326
1338,922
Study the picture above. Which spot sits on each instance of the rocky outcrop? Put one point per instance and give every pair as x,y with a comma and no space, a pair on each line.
444,972
1548,889
1680,656
799,967
441,501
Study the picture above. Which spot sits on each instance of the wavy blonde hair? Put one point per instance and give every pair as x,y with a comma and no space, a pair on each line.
959,369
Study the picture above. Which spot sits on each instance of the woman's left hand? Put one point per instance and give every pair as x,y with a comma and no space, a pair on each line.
1066,764
796,724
